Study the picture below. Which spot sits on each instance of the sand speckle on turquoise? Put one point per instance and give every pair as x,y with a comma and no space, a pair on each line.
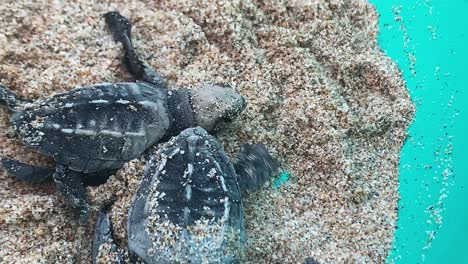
428,40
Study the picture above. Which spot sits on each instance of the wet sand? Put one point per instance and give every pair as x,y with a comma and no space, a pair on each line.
320,92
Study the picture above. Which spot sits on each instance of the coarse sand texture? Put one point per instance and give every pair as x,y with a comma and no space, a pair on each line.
320,92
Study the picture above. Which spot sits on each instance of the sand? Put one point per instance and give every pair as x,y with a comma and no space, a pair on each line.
321,95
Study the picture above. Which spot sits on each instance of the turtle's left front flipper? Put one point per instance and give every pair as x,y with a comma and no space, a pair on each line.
26,172
70,184
254,165
121,30
103,244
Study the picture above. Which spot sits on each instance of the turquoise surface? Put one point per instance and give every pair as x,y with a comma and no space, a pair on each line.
280,180
429,42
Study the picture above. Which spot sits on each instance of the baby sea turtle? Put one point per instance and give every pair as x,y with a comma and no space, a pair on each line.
188,208
92,131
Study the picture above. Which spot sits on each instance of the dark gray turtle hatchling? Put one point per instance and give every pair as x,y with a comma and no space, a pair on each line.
188,208
92,131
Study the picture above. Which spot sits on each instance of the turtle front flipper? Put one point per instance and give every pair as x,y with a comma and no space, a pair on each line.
9,98
26,172
254,166
70,184
104,250
121,29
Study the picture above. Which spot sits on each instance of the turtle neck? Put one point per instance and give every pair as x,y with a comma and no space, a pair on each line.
180,108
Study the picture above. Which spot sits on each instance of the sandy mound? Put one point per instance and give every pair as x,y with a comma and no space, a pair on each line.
321,94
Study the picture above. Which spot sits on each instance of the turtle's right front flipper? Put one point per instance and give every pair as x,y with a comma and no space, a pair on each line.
254,165
9,99
104,249
26,172
121,30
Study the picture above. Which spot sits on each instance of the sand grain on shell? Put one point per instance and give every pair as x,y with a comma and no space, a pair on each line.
321,94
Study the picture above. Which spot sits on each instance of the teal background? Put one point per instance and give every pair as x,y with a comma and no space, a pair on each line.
429,42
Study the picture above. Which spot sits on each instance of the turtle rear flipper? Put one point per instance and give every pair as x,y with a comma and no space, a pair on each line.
26,172
103,240
9,99
254,166
70,184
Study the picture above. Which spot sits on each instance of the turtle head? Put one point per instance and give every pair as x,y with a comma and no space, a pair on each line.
214,104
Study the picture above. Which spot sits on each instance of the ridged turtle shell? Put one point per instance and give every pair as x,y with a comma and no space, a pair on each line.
97,127
188,207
